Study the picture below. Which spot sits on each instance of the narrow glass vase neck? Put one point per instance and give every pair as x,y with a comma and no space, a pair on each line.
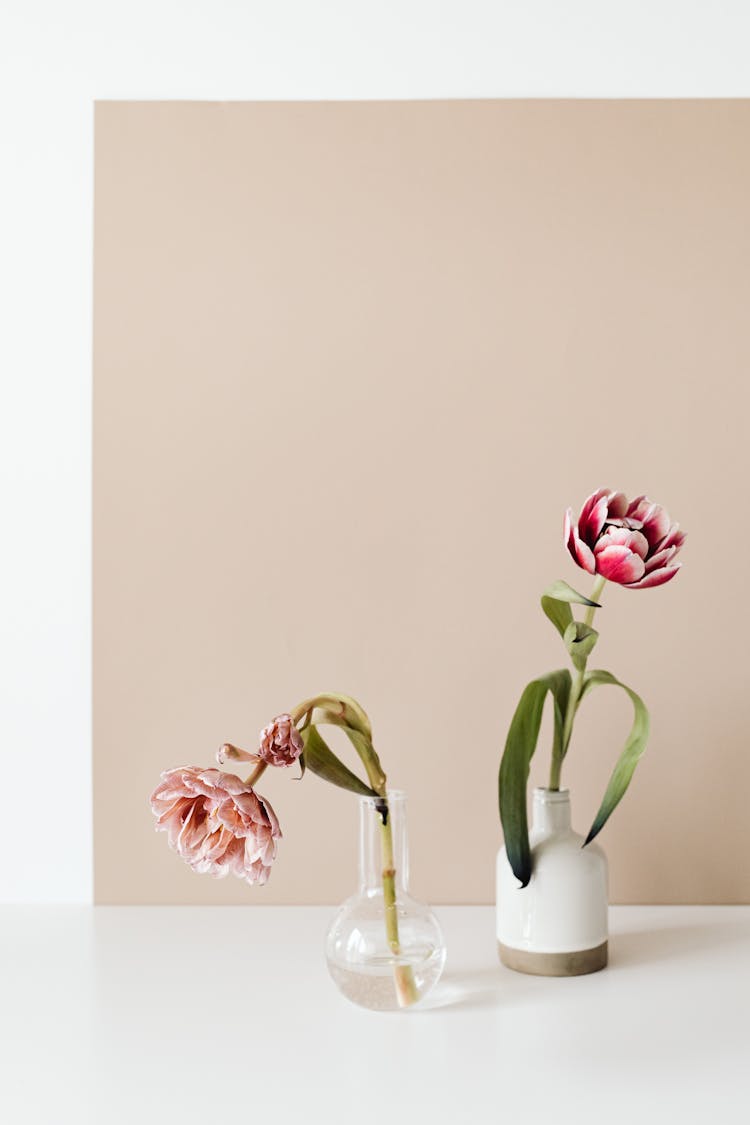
374,846
551,811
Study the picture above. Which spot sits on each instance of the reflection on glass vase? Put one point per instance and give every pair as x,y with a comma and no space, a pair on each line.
385,949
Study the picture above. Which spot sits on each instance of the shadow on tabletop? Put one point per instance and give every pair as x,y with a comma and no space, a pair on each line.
671,943
499,986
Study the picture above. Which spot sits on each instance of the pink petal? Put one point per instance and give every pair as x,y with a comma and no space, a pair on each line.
617,505
582,553
674,538
622,537
655,519
592,520
656,524
273,820
655,578
568,529
591,501
229,752
636,506
619,564
660,559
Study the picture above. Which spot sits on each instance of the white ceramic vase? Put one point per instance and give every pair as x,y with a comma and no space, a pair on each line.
557,925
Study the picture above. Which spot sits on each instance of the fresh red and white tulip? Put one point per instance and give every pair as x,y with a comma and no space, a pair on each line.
631,543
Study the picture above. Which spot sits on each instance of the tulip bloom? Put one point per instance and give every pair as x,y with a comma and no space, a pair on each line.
633,544
280,742
217,823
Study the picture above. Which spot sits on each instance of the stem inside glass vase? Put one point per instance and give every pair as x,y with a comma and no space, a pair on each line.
403,974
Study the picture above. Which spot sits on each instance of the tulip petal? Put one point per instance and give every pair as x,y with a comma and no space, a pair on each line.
660,559
591,524
674,538
568,528
582,553
655,578
570,532
214,821
228,752
635,506
656,522
622,537
617,505
620,564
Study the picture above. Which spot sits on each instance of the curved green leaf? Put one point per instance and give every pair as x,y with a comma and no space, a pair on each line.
631,751
516,760
579,641
345,709
361,742
320,759
556,601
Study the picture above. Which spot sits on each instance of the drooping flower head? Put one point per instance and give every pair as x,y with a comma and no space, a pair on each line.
280,742
633,544
217,823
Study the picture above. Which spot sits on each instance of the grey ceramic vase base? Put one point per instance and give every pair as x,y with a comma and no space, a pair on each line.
554,964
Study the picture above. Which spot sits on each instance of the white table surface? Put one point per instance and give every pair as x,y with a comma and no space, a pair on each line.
221,1014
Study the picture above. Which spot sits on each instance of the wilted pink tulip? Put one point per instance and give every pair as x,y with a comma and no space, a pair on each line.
227,752
633,544
280,742
216,823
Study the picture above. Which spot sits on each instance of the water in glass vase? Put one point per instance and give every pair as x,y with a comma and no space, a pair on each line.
385,950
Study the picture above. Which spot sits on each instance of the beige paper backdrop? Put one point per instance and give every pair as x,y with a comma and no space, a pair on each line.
352,362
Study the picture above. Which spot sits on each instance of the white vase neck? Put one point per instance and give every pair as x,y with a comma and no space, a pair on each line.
551,811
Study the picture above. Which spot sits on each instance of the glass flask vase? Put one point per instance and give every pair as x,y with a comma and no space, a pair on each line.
385,949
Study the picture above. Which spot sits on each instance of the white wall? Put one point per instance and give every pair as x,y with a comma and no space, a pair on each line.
55,60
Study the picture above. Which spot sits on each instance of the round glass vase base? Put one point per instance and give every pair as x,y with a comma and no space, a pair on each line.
574,964
388,987
385,949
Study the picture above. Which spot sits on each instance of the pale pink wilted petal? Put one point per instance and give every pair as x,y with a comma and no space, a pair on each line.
280,742
620,564
212,818
229,753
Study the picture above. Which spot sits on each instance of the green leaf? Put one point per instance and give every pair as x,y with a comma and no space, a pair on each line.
579,641
514,766
556,601
559,613
361,742
347,711
631,751
320,759
368,756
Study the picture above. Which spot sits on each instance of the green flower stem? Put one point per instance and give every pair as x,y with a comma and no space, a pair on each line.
596,593
406,986
559,751
257,773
